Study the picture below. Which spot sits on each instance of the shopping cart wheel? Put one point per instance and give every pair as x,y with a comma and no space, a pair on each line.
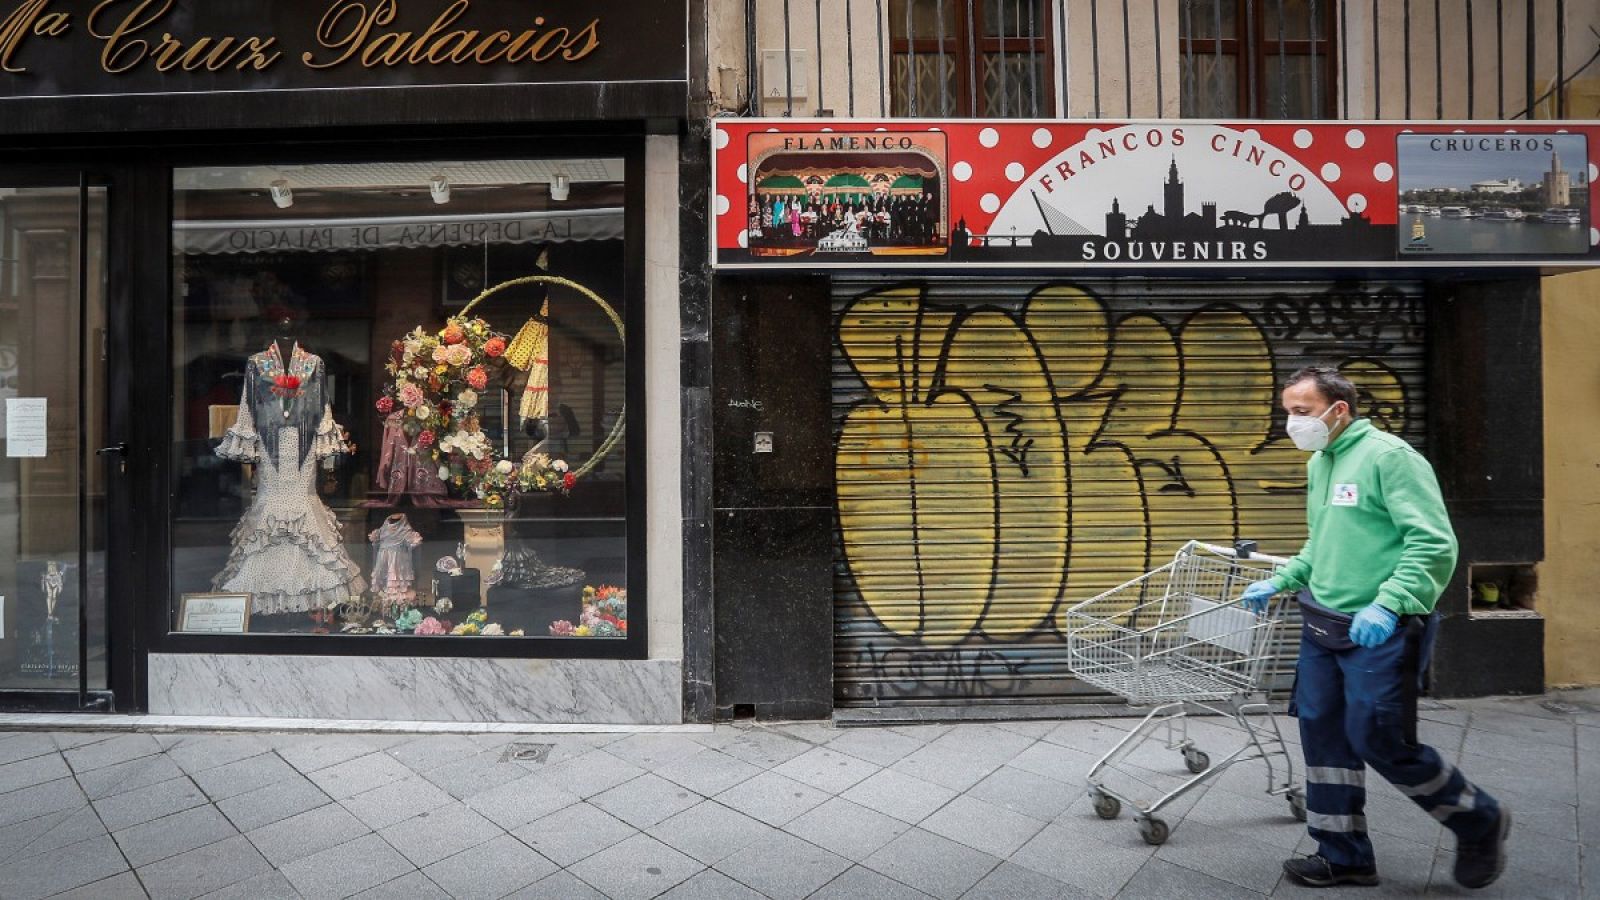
1105,805
1153,830
1297,804
1196,760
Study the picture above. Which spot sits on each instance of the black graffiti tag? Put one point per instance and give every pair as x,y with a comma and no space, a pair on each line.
911,671
1017,450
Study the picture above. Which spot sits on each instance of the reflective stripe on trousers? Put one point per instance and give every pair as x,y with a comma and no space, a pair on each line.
1335,775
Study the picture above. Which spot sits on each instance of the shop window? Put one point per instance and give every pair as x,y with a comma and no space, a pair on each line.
399,400
1257,60
980,58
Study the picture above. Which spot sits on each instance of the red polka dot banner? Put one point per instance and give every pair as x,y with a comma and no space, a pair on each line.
1171,193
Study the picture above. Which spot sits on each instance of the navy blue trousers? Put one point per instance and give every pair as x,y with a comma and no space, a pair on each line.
1358,708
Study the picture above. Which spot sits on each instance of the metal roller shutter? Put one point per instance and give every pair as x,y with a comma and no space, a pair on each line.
1006,448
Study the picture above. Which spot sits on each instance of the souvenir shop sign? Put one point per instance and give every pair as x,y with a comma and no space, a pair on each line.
1152,194
97,47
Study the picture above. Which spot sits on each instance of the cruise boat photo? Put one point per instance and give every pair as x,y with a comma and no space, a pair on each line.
1503,214
1561,215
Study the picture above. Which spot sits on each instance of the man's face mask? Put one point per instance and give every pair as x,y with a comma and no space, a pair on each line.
1310,433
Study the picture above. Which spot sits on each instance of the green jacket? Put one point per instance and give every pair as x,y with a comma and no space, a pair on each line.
1378,527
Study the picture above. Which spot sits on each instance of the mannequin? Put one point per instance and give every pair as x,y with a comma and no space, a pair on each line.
393,569
286,550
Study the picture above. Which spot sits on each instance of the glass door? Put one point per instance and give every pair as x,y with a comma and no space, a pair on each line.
55,458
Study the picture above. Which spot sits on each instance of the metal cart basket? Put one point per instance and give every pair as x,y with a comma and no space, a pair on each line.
1179,639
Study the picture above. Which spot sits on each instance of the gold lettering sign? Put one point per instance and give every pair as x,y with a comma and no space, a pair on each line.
352,31
133,36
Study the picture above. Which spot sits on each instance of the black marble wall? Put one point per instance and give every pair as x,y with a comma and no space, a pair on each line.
1485,438
772,546
694,298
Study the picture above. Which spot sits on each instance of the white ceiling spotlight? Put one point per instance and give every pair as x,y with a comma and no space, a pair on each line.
439,189
560,187
282,194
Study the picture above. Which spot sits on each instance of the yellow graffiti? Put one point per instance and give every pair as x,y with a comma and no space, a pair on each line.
1006,463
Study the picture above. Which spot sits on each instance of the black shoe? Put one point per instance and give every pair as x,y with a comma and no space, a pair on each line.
1314,871
1480,862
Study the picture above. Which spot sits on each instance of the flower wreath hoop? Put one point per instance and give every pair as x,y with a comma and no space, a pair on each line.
615,437
433,394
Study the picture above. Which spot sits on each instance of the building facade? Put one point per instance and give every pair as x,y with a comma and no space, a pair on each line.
343,359
952,396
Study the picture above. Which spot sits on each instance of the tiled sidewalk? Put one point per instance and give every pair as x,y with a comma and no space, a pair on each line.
783,811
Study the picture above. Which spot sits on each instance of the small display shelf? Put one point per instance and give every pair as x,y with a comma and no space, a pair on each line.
1503,590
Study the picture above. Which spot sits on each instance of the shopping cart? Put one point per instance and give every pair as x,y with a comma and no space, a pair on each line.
1177,638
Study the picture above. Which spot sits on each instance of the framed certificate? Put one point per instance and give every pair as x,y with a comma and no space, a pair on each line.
214,613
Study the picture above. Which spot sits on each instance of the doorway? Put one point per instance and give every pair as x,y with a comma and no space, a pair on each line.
56,462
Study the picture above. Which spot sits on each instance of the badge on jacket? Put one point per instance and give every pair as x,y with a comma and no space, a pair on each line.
1344,495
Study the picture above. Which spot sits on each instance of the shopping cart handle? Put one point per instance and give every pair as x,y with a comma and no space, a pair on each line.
1242,550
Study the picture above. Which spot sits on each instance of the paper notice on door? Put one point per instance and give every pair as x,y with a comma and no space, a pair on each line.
25,427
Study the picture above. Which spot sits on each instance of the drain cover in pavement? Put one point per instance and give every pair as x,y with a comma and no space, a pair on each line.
526,752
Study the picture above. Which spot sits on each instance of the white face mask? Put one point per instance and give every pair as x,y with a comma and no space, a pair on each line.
1309,433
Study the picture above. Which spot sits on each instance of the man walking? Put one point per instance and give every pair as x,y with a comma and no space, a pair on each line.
1379,553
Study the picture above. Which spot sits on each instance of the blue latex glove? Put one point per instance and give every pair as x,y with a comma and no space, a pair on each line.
1255,596
1373,625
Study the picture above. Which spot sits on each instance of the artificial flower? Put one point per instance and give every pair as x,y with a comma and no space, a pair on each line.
494,347
465,628
444,473
561,628
474,444
466,400
385,405
430,626
284,384
581,631
478,378
424,411
425,439
410,395
441,354
409,620
560,465
419,372
493,629
517,632
458,355
568,480
505,467
453,334
443,604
